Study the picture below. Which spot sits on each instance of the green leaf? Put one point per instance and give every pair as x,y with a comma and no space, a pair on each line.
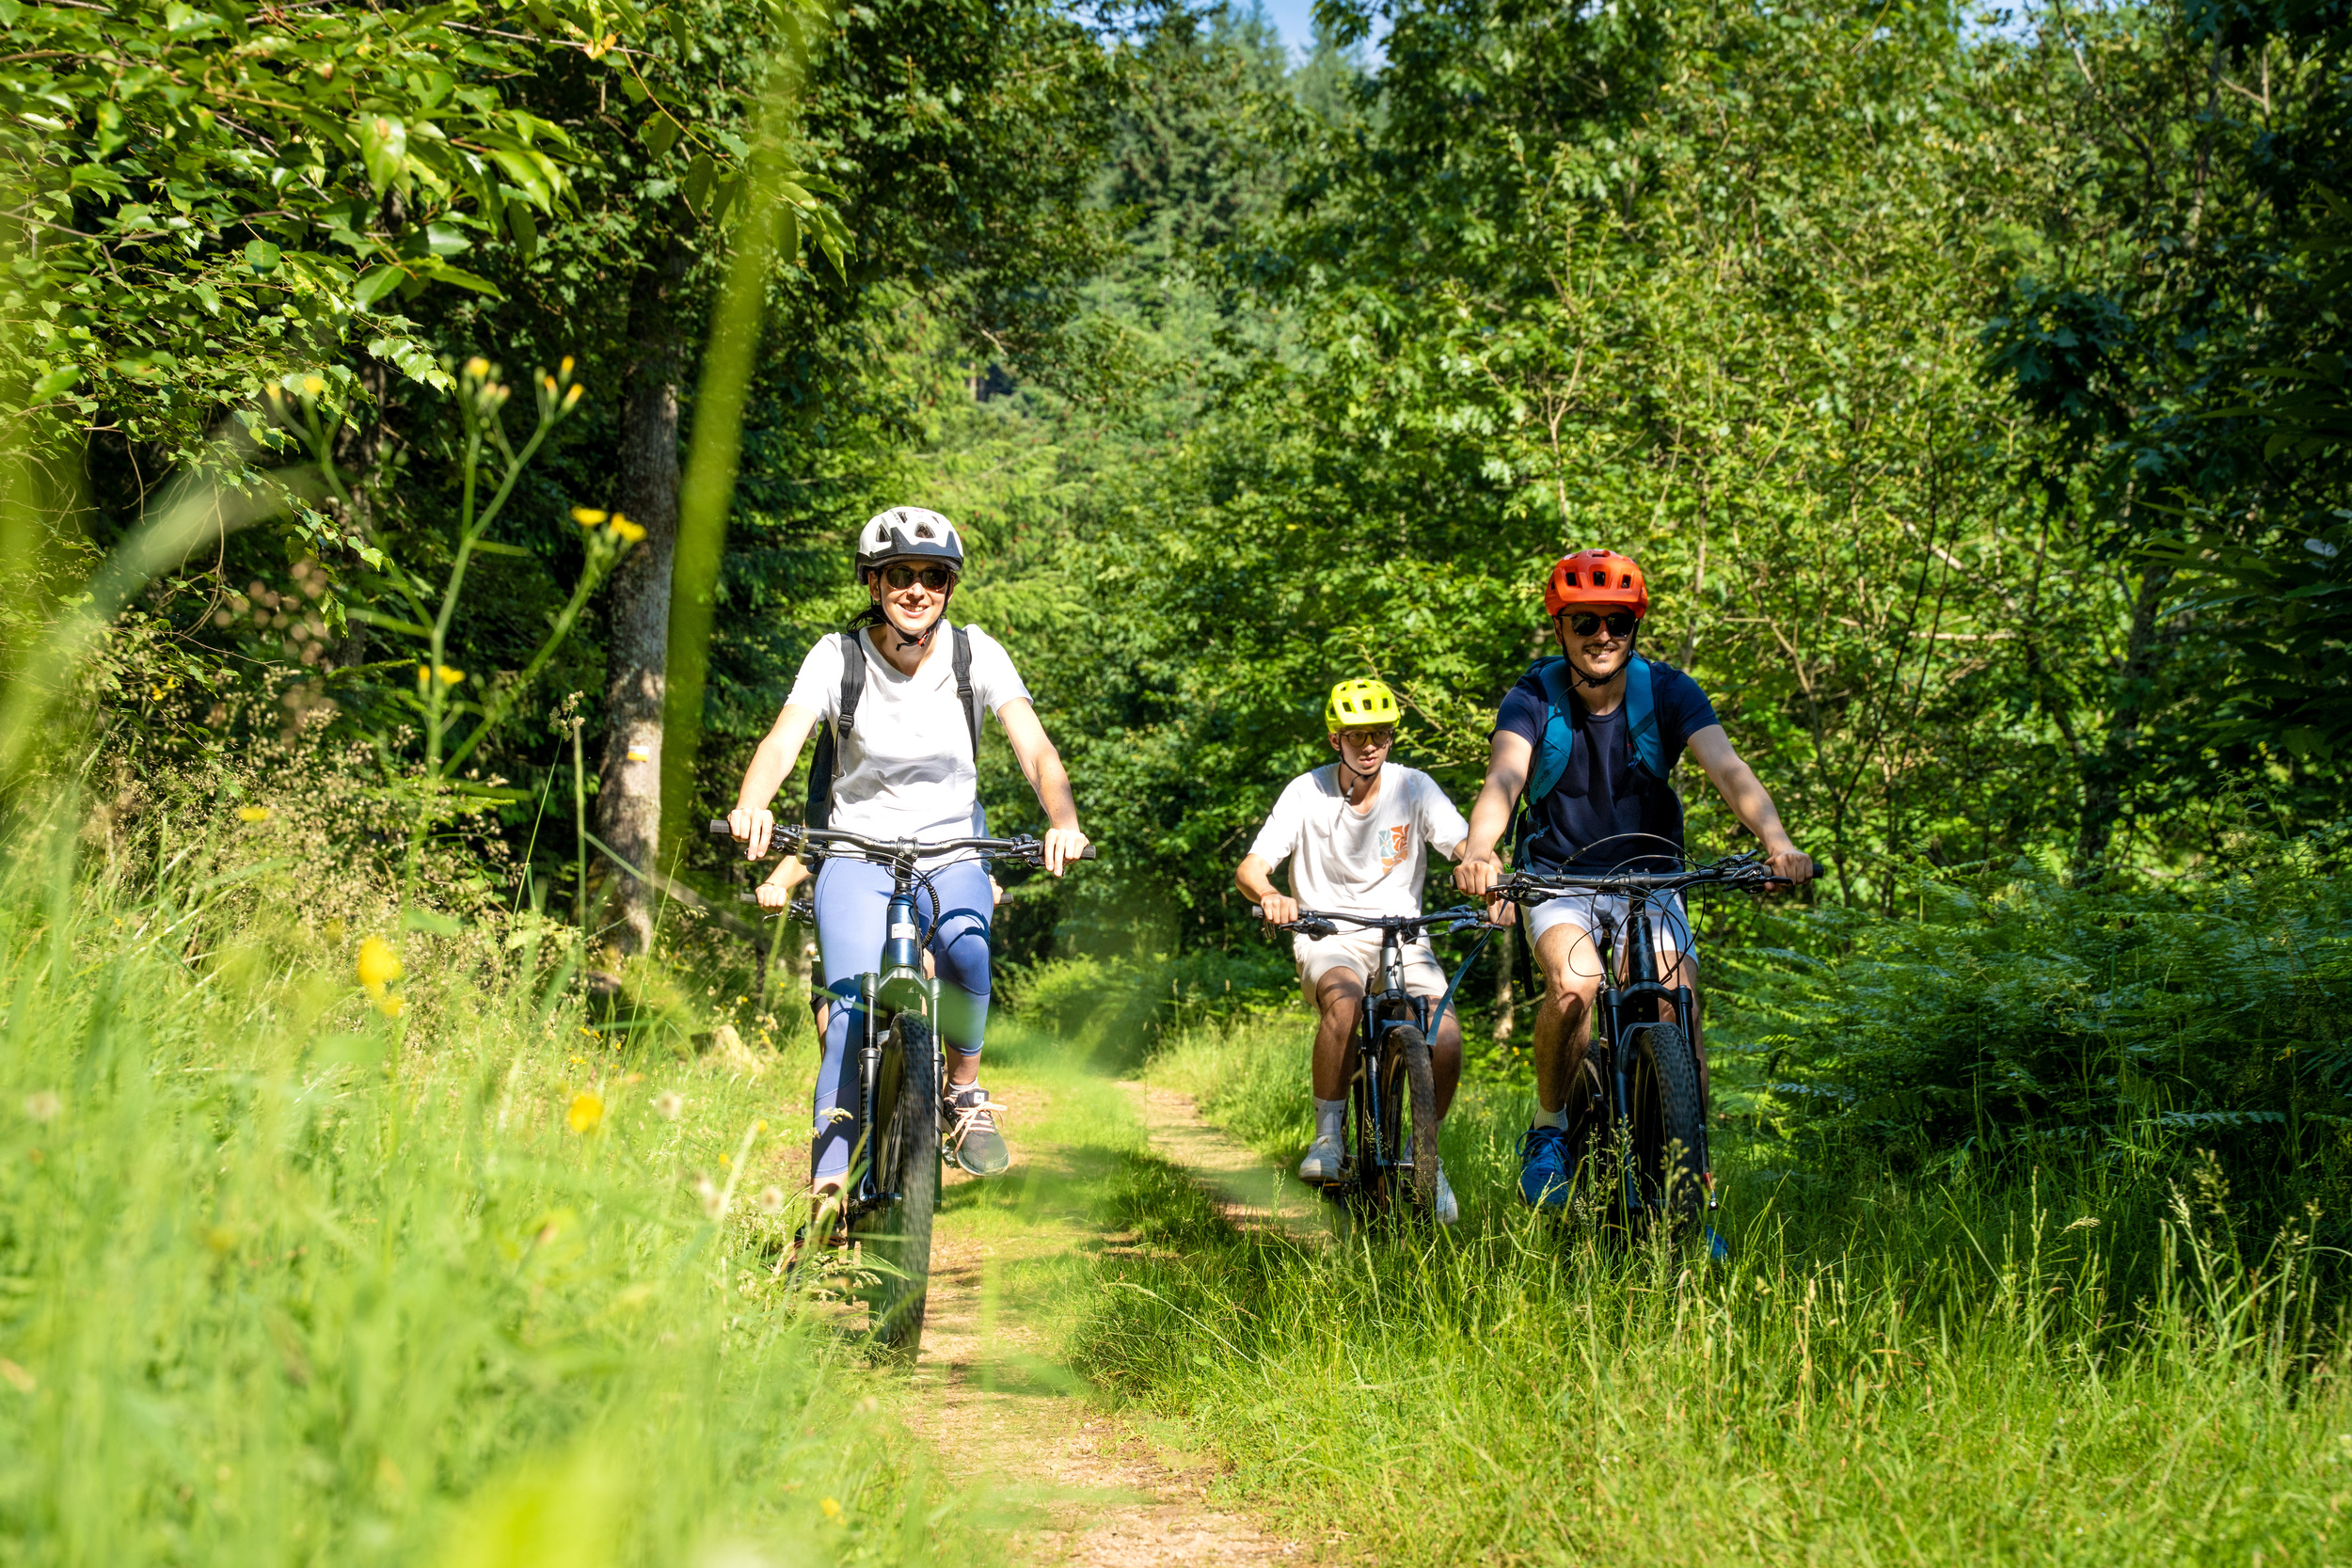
662,133
377,284
698,178
54,381
383,147
263,257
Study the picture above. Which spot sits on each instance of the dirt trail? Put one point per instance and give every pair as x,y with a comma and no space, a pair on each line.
1252,1193
1078,1486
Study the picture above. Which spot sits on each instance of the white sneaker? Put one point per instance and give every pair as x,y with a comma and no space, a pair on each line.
1322,1163
1447,1209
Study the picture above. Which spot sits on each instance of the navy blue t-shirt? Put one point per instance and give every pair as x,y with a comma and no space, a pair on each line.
1567,828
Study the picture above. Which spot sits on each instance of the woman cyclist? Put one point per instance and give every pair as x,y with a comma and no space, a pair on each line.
904,769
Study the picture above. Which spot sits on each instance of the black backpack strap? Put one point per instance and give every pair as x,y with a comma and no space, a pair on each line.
960,656
852,680
824,763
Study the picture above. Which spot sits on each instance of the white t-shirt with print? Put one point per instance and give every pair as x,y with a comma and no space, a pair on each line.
1359,862
907,769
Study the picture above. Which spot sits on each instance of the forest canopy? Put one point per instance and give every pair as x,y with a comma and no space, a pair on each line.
1972,386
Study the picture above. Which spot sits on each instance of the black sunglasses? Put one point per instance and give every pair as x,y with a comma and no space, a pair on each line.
1584,622
936,579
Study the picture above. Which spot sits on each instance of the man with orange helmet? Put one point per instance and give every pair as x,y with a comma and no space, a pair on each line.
1589,741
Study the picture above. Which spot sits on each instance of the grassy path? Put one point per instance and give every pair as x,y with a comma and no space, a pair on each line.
1014,1262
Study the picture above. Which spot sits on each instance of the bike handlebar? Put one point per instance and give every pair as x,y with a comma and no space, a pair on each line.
1320,922
1021,848
1534,887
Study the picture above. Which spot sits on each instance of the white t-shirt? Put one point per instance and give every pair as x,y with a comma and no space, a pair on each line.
1359,862
906,765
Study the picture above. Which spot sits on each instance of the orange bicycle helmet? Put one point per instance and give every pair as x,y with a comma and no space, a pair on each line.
1596,578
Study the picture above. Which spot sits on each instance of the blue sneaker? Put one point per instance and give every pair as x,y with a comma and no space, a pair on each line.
1544,1172
1717,1250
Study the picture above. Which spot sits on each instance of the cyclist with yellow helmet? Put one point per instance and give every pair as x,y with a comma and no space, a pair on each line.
1358,834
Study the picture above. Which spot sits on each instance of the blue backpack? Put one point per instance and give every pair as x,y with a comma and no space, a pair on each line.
1552,771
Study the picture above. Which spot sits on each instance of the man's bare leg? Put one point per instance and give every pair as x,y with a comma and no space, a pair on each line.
1339,1000
1445,1060
1339,1003
1564,1019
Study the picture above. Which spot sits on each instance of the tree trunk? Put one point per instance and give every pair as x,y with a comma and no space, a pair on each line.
628,800
2109,774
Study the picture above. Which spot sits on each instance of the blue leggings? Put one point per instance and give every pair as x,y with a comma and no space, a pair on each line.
853,902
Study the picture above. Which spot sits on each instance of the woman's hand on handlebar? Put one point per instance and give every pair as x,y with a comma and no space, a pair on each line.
1792,863
752,829
1062,845
776,892
1278,908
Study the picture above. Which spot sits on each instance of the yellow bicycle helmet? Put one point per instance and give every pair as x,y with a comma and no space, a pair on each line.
1360,704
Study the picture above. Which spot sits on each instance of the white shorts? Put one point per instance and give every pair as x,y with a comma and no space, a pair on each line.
1669,924
1360,951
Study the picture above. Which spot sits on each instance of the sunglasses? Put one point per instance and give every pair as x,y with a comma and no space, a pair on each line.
1584,622
936,579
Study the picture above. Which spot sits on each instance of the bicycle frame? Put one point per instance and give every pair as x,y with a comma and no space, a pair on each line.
897,983
1392,1008
1634,1001
1388,1007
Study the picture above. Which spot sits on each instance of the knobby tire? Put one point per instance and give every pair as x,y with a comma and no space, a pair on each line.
1409,1101
896,1237
1667,1141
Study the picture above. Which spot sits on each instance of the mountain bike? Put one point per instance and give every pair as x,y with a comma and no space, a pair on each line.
1642,1110
887,1203
1389,1147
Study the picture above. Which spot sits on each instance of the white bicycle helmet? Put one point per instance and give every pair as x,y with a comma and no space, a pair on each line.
907,533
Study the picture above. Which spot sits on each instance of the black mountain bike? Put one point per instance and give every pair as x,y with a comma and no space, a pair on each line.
1391,1145
893,1189
1641,1107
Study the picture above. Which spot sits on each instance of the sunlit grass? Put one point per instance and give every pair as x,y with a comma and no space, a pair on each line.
1881,1373
284,1279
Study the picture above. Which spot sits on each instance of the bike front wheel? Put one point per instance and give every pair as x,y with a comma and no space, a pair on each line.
895,1236
1666,1135
1409,1101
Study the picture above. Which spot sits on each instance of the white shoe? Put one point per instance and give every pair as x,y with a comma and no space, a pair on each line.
1447,1209
1322,1163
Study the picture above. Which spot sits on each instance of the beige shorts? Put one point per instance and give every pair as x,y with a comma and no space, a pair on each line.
1360,951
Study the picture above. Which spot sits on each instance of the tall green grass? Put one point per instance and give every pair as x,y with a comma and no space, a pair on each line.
284,1277
1938,1372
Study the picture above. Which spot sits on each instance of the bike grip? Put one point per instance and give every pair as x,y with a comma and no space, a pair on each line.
718,828
1086,853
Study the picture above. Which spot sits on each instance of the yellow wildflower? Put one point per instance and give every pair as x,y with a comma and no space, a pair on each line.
314,386
449,676
392,1006
832,1509
626,531
587,516
587,1110
572,397
478,368
380,966
253,813
564,369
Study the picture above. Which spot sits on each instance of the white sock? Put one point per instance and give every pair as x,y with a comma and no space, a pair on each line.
1557,1120
1331,1115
